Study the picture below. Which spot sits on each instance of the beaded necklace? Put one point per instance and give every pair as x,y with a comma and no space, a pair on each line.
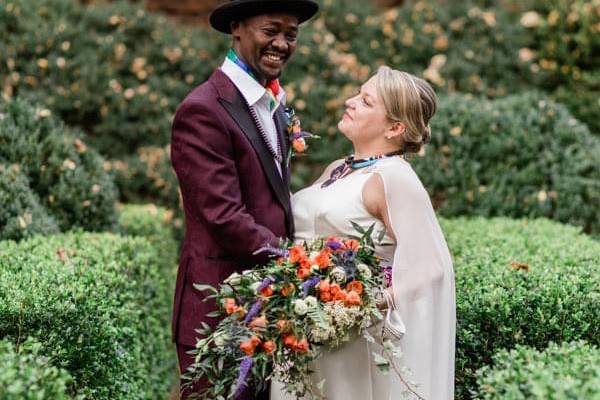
350,164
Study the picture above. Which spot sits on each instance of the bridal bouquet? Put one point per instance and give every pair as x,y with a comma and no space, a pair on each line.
277,318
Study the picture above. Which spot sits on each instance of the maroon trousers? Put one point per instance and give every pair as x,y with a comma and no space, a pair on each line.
185,360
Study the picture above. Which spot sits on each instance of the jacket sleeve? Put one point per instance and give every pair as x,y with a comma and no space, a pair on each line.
203,158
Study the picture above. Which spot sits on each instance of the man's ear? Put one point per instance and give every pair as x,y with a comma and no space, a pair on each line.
234,26
396,129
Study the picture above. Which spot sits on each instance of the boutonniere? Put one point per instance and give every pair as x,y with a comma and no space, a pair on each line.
296,135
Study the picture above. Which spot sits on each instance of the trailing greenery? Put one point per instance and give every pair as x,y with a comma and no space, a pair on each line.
568,371
520,283
99,303
25,374
54,178
520,156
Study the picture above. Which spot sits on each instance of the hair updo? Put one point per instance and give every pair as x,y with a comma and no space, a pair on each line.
409,100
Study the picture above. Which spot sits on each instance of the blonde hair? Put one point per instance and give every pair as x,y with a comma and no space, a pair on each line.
409,100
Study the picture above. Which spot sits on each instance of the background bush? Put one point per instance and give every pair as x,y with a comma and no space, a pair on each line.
57,174
100,303
519,283
568,371
521,156
27,375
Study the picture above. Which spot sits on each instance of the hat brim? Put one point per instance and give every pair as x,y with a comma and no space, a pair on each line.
222,17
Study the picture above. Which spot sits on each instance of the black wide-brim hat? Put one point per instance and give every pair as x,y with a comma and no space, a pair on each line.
238,10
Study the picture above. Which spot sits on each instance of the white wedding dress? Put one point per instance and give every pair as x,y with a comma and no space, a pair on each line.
422,281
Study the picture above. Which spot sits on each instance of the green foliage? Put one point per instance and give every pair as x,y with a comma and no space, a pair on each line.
27,375
569,371
99,303
520,282
520,156
156,224
21,214
58,174
116,71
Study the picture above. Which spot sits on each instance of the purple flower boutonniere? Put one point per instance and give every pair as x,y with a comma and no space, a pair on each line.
296,134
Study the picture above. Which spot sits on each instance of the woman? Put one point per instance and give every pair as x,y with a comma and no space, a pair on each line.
388,118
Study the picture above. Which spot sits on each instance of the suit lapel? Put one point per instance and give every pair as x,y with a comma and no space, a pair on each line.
281,124
238,110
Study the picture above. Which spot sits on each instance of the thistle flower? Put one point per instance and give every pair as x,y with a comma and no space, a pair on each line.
273,251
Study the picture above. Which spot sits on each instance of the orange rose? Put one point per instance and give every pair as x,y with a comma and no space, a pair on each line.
255,340
297,253
247,347
287,290
269,346
301,346
324,286
229,305
281,324
303,273
352,299
334,289
289,341
267,292
325,297
259,323
355,286
305,263
299,145
351,244
323,260
340,296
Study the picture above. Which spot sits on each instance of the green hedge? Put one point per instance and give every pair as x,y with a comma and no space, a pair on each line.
520,156
25,374
569,371
99,303
158,226
520,283
58,176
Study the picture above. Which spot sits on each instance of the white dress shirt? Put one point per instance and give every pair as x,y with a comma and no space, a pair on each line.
257,98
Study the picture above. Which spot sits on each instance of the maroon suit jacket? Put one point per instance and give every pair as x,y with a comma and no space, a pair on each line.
235,200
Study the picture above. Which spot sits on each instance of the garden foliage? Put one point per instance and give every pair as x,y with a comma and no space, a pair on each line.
49,178
560,372
520,283
521,156
28,375
99,303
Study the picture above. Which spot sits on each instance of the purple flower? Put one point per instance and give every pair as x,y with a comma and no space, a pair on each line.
253,311
245,367
387,275
302,135
334,245
309,284
265,283
273,251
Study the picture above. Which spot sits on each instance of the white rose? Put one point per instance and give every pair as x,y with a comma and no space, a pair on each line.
300,307
311,302
364,270
338,274
313,254
234,279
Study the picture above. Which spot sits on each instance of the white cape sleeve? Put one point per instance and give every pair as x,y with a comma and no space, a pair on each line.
422,282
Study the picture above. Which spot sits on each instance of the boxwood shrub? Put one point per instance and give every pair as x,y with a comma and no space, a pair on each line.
21,214
25,374
520,282
65,177
559,372
98,303
520,156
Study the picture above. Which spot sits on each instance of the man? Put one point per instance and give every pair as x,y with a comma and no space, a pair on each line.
228,148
